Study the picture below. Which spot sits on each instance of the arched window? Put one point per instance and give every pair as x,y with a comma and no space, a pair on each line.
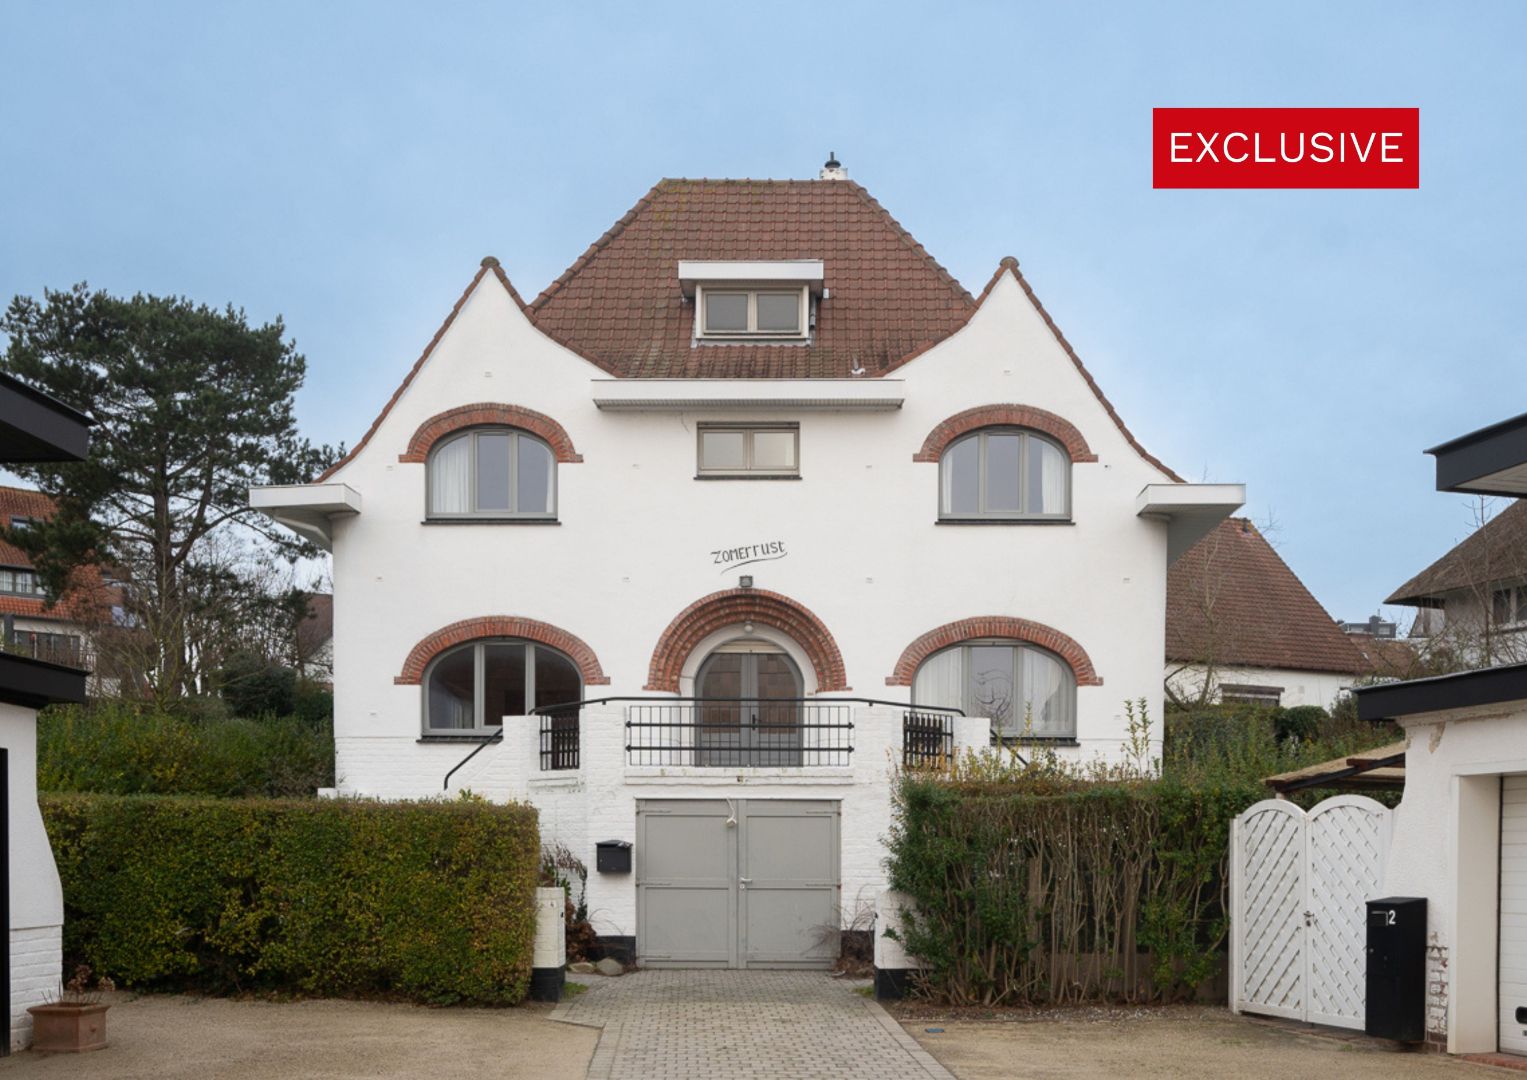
493,473
1026,691
474,686
1005,473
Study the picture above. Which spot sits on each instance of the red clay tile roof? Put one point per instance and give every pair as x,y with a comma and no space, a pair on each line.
89,593
1232,600
1496,551
318,627
620,306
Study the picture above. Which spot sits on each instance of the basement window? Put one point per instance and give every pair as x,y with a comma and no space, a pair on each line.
732,312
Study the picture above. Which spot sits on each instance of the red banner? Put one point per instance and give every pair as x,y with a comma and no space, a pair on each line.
1286,148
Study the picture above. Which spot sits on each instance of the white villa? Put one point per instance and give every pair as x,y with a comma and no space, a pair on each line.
782,505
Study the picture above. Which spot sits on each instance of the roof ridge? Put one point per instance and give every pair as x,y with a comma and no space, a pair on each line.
600,243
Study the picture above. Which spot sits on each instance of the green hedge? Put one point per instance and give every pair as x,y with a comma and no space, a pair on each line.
1071,892
123,749
428,901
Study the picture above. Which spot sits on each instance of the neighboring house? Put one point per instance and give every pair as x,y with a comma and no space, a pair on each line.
33,427
1479,590
62,633
750,479
1241,626
1460,832
315,640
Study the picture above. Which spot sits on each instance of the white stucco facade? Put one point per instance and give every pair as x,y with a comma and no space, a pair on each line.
1446,848
37,899
1322,688
633,546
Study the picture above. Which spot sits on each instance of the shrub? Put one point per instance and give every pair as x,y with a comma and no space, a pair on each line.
1246,743
313,702
120,749
254,686
1063,890
429,901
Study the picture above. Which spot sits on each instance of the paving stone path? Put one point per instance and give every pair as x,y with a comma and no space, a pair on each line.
743,1025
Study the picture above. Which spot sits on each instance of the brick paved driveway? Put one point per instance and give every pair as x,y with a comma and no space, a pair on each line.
741,1025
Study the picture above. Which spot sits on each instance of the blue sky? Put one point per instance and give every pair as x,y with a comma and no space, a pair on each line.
347,165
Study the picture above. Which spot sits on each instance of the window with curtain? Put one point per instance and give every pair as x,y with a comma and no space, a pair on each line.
493,473
1025,691
471,688
1005,473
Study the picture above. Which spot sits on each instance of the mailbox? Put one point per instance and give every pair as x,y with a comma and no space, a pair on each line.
1396,980
613,856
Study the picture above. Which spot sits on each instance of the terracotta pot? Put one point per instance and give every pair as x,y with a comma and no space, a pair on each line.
62,1028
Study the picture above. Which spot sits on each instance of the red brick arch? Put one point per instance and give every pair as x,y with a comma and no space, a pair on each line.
1058,428
995,626
451,421
493,626
730,607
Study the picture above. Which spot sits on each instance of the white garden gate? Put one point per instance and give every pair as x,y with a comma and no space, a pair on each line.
1298,883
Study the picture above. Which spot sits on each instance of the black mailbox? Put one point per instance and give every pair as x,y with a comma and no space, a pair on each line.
613,856
1396,983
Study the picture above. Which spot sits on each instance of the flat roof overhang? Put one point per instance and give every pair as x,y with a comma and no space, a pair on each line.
1191,511
1441,693
35,683
36,427
679,395
1490,461
694,272
308,510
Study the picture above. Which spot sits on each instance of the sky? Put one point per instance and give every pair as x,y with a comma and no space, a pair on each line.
346,166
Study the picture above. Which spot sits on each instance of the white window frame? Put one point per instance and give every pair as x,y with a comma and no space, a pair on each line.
516,434
748,468
1516,601
13,586
752,291
946,462
478,648
972,707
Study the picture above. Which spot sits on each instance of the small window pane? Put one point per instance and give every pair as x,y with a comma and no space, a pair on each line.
773,449
493,471
723,450
1048,472
557,679
1502,608
450,478
1002,473
991,686
726,313
503,683
779,313
1046,694
962,477
451,690
534,476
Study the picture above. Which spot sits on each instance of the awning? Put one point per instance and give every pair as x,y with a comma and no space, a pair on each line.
671,395
307,509
1381,767
1191,511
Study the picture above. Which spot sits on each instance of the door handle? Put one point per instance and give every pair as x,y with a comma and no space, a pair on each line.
744,882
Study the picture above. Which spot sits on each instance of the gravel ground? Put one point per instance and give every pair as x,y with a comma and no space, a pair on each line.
1188,1042
171,1037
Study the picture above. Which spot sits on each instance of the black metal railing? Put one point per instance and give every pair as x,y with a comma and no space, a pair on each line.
739,733
560,746
927,739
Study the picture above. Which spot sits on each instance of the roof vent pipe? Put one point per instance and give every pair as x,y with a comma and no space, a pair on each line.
834,169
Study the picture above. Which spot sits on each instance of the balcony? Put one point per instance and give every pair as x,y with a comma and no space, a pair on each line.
732,733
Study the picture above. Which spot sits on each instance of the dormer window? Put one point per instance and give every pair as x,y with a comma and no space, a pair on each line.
753,301
743,312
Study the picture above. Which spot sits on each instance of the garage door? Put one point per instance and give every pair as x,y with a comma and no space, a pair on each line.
743,883
1513,915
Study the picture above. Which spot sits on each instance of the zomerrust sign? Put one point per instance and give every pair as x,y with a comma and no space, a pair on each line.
733,557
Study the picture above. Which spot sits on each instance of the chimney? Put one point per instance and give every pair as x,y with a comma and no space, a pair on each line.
834,169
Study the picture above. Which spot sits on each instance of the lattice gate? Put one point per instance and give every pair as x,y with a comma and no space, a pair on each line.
1298,882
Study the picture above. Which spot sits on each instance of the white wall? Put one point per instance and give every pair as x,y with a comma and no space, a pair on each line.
37,899
1446,848
1323,688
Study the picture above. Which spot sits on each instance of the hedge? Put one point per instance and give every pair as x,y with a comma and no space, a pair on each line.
1105,891
427,901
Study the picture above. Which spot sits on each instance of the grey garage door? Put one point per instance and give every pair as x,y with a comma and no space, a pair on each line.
741,883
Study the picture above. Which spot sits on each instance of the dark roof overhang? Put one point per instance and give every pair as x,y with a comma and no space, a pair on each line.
1462,690
36,427
1490,461
35,683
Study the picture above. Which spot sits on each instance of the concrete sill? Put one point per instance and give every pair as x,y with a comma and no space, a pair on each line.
457,739
746,476
1003,521
568,778
490,521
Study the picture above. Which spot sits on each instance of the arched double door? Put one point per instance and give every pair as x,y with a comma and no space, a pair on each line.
749,707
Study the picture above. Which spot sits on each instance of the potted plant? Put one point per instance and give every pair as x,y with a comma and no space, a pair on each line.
76,1022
